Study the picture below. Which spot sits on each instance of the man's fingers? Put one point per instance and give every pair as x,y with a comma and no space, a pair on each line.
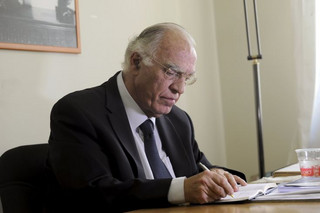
233,180
240,180
216,186
210,186
224,183
202,188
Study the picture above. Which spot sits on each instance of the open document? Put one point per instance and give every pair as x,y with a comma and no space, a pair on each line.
302,189
249,192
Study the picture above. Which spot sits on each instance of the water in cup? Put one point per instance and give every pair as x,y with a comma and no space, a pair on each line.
309,161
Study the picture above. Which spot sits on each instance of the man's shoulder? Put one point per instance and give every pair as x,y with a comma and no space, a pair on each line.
179,119
177,112
84,94
86,99
91,92
177,115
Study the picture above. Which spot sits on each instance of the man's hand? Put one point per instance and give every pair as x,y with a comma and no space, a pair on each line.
211,185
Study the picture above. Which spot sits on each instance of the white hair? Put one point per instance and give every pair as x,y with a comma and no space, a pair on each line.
147,43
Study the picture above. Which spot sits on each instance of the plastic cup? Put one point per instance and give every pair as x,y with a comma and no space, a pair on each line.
309,162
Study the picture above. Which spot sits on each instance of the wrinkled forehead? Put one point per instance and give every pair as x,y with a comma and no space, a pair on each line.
175,38
176,49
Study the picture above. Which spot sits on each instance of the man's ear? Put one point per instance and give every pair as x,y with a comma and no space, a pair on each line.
136,60
136,63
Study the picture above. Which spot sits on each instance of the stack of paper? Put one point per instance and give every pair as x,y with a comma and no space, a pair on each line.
303,184
291,170
302,189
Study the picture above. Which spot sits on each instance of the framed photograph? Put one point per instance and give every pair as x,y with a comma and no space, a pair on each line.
40,25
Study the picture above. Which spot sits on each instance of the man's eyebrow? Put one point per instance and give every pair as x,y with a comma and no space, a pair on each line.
174,67
179,71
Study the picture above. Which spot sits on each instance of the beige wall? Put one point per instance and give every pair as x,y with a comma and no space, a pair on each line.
281,44
220,103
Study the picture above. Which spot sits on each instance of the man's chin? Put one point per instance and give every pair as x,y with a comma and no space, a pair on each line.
164,111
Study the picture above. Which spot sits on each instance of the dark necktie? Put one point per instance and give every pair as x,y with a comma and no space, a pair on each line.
158,168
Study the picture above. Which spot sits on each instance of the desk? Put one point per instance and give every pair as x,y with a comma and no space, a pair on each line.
253,207
297,206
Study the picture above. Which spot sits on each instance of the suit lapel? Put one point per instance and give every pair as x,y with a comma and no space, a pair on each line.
174,147
119,121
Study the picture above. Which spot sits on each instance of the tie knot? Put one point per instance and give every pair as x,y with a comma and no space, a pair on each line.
147,128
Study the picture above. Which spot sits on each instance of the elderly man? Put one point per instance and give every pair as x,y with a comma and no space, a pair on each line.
124,144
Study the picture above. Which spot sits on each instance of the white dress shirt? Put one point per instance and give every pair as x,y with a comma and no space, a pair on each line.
136,117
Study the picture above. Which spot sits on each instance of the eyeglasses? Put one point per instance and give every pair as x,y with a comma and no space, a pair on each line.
173,75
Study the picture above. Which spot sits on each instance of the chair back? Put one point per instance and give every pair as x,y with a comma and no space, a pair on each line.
23,178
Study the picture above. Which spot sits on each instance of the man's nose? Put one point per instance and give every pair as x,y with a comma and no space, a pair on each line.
178,85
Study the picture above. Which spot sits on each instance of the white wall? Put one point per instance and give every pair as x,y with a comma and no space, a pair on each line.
220,103
31,82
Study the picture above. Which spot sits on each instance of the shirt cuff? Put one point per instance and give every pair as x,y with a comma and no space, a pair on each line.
176,191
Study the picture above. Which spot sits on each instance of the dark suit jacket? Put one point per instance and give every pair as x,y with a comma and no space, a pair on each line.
92,150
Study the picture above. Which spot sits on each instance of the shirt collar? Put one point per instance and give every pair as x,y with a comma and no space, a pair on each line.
134,113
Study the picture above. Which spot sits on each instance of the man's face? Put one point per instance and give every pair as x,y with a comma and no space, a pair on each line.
156,94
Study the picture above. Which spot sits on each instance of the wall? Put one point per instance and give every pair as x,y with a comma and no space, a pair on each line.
31,82
220,103
283,49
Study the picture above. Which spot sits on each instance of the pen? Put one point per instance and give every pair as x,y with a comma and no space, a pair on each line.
203,166
206,168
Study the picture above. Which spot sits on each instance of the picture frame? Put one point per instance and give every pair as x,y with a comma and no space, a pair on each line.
40,25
